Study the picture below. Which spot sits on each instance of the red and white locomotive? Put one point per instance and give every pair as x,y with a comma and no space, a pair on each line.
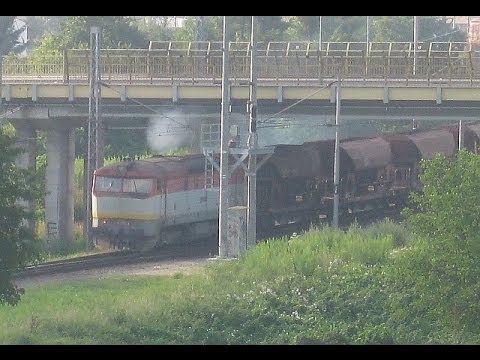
162,199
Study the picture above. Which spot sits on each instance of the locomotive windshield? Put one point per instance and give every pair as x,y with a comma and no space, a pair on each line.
127,185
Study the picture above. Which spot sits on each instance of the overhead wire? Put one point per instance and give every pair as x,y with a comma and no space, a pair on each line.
186,126
11,111
297,102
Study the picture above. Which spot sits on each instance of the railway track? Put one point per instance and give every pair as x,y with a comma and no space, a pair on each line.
205,248
118,258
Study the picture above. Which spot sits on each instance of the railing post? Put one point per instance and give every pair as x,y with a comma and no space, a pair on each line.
213,68
385,67
205,64
320,66
233,62
66,78
429,67
449,68
129,67
88,66
298,68
193,68
407,68
471,66
170,66
277,68
365,65
109,65
149,67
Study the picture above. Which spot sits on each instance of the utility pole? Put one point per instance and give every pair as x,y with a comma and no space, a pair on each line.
200,34
252,143
336,164
225,128
460,135
368,34
320,33
468,28
94,130
415,43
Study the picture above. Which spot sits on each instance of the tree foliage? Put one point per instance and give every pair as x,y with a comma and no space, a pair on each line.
449,204
440,277
117,32
17,240
400,28
155,28
381,28
9,36
39,26
135,31
270,28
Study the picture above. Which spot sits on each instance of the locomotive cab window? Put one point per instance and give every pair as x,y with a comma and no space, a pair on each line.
143,186
108,184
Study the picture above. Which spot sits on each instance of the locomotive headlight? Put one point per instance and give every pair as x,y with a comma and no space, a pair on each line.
104,221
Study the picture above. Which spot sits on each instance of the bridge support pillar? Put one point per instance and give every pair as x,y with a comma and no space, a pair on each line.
27,140
59,205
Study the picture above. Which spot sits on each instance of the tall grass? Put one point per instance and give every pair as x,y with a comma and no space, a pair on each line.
78,192
52,250
319,247
326,287
399,235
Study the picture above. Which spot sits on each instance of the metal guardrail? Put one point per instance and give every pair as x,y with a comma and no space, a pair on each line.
279,62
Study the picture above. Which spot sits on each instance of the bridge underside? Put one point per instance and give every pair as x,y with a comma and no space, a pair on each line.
49,115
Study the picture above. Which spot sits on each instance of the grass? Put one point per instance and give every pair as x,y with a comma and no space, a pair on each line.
61,250
319,286
85,312
326,286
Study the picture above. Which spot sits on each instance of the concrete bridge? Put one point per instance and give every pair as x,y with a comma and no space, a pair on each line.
379,81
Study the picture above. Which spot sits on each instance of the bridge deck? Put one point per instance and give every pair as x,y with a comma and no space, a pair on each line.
181,93
176,71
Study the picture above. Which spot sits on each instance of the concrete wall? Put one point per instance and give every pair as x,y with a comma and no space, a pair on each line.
59,197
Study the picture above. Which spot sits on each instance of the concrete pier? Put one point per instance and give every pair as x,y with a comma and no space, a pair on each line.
59,199
27,140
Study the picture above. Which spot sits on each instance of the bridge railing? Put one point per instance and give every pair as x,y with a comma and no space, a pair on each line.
277,61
